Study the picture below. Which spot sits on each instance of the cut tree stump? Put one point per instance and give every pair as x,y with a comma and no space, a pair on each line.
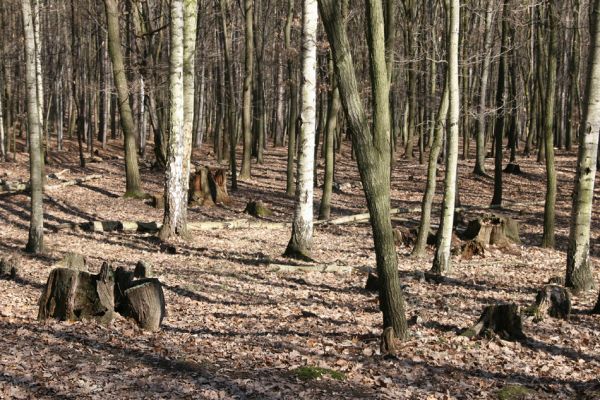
8,268
72,295
501,319
495,230
217,182
553,300
258,209
471,248
73,261
146,303
513,168
157,200
199,192
142,270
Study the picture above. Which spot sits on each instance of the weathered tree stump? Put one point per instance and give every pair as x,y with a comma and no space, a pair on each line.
8,268
404,236
73,261
471,248
513,168
142,270
157,200
258,209
123,281
553,300
218,186
496,230
72,295
199,192
501,319
146,303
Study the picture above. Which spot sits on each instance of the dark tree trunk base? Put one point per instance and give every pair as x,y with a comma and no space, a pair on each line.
258,209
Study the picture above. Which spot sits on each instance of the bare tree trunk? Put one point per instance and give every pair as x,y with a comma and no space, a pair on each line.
579,273
441,261
300,243
132,172
248,82
35,242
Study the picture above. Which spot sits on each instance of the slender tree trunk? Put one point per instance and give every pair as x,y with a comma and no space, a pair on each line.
579,275
35,242
441,261
434,153
480,150
332,115
550,204
248,82
500,109
300,243
132,172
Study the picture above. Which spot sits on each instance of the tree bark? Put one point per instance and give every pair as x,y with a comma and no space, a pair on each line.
248,83
300,243
441,261
579,275
372,148
132,172
35,242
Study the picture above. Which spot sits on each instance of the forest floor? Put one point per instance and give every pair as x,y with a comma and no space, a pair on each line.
236,330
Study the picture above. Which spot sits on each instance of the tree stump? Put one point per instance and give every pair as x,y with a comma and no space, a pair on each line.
372,284
404,236
158,200
496,230
513,168
72,295
471,248
553,300
73,261
258,209
218,186
8,268
200,192
123,281
146,303
501,319
142,270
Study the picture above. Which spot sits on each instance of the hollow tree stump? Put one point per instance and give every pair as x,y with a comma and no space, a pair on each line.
200,192
496,230
218,186
553,300
501,319
146,303
73,295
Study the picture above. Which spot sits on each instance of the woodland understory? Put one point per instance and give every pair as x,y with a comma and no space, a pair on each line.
236,330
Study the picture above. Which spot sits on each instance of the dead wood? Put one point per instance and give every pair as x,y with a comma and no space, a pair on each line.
500,319
217,182
493,229
200,192
554,301
146,303
258,209
72,295
332,268
72,182
513,168
73,261
8,268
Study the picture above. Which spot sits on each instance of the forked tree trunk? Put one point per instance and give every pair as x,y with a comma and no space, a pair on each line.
441,261
35,242
372,150
300,243
579,275
132,172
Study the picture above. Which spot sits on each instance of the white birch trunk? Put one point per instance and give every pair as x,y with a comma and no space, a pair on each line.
441,261
579,273
190,16
302,226
174,222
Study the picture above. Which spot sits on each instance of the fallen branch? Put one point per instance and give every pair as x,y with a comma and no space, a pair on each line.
72,182
364,217
332,268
